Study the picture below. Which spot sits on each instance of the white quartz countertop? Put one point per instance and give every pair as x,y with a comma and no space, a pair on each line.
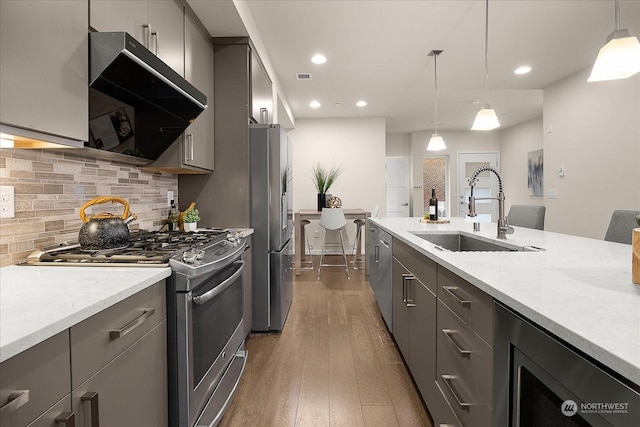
39,302
579,289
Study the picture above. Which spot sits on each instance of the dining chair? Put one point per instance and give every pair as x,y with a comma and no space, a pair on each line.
620,226
529,216
333,220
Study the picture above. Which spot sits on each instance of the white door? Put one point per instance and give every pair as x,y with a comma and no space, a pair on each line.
486,185
398,188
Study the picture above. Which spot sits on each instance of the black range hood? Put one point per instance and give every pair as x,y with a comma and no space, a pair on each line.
138,105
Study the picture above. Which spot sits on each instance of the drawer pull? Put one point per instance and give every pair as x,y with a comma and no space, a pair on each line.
447,380
92,398
449,334
67,419
16,400
405,288
146,314
450,289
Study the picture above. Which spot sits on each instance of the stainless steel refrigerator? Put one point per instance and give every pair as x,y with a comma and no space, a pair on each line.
272,220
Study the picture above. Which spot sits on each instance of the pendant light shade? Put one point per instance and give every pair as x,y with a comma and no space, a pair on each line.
486,119
619,58
436,143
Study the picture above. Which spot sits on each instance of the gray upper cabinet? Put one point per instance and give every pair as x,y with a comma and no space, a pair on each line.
193,151
198,62
261,92
43,83
158,25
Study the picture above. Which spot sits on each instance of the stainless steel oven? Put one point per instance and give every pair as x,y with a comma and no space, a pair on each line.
541,381
205,335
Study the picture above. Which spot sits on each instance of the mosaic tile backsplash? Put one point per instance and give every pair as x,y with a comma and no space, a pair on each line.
50,187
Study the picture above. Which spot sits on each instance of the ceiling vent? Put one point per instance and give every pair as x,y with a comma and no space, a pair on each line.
303,76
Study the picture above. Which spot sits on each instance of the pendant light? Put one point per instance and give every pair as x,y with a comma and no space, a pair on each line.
619,58
486,118
436,143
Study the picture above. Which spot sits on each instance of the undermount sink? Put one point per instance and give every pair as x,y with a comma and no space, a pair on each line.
456,242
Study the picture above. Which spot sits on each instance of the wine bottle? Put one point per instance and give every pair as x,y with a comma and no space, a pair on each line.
433,206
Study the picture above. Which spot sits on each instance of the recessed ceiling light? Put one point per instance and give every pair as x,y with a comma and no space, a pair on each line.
524,69
361,103
319,59
314,104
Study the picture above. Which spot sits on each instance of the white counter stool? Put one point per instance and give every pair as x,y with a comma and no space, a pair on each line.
356,247
304,263
332,220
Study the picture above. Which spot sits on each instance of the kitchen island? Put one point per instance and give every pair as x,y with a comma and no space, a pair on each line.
578,289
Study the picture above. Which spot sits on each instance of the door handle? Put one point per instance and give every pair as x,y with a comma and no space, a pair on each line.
447,381
450,289
448,333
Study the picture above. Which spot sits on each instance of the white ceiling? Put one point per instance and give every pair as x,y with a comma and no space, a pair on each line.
378,51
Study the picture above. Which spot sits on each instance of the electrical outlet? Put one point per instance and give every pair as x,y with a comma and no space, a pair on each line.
169,198
7,204
552,193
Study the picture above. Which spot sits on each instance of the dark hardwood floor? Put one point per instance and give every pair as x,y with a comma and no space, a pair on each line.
334,364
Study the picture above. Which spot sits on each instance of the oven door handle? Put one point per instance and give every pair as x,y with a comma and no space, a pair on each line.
201,299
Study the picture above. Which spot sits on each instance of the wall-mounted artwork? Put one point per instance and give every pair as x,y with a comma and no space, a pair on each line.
535,165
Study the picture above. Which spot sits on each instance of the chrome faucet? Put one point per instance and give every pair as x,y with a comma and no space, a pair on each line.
503,223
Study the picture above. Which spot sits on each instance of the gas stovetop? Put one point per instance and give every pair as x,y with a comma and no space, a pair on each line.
144,249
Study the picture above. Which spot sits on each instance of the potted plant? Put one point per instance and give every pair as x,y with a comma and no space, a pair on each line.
323,179
191,218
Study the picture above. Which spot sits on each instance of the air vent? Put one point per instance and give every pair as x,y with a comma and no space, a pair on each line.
303,76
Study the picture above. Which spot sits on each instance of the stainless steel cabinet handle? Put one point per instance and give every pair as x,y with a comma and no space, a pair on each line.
146,31
407,300
155,34
448,333
189,147
384,243
92,398
264,116
201,299
68,419
15,400
447,380
450,289
404,287
146,313
376,253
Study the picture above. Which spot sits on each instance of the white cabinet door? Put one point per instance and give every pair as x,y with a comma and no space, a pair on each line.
130,16
43,83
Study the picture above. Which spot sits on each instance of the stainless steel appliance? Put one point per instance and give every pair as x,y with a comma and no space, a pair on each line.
205,328
272,222
206,332
541,381
138,105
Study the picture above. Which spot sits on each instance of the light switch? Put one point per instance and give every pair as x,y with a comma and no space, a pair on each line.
561,171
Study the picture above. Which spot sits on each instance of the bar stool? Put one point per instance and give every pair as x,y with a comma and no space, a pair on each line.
304,264
332,219
356,247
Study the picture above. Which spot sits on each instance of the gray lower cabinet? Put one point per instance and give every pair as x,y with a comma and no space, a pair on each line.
379,252
119,363
131,390
43,83
414,317
35,384
108,370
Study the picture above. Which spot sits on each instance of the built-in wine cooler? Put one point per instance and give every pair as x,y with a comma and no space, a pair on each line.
540,381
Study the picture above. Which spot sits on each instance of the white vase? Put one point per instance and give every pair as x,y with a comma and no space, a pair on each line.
190,226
